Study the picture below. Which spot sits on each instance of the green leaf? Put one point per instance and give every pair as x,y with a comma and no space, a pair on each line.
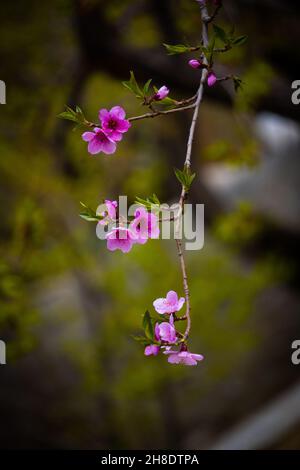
148,326
169,102
240,40
73,115
237,82
173,49
146,87
89,214
221,34
210,50
151,203
133,86
228,38
141,339
68,116
185,177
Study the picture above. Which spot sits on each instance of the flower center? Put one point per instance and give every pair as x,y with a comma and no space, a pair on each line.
112,124
101,136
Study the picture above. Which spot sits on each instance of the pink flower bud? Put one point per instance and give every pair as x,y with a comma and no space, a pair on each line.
151,350
195,64
161,93
211,79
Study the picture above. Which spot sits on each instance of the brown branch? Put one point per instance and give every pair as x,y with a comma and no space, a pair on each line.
187,316
215,13
153,114
160,113
187,164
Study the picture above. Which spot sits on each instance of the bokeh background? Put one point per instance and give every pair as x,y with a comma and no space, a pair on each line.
74,377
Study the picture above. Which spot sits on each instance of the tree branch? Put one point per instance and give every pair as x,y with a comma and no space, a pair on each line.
187,164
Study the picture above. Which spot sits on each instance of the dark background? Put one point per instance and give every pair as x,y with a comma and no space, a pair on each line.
74,378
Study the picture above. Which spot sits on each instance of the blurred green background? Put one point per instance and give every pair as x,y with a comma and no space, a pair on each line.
74,378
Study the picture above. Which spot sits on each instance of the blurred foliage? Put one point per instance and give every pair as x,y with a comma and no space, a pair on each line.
256,83
62,293
227,152
241,226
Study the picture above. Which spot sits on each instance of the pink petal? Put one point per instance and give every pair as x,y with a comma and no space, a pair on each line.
104,115
109,147
141,240
115,135
118,111
95,146
88,136
160,305
156,331
123,126
189,361
211,79
198,357
111,208
172,297
154,233
173,359
151,349
126,246
112,245
180,303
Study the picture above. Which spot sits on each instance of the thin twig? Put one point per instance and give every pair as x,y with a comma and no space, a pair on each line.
186,289
187,164
213,16
161,113
151,115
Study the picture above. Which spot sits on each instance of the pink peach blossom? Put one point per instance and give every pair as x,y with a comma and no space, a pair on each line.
120,238
165,331
114,122
195,63
99,141
183,357
162,93
151,350
211,79
170,304
145,225
110,213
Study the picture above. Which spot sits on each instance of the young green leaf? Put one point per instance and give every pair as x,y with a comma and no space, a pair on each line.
240,40
141,339
210,50
221,34
73,115
133,86
237,82
146,87
151,203
148,326
173,49
89,214
185,177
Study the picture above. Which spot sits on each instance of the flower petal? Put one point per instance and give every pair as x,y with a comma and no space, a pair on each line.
160,305
109,147
198,357
103,115
116,136
173,359
123,125
118,111
172,297
180,303
95,146
88,136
